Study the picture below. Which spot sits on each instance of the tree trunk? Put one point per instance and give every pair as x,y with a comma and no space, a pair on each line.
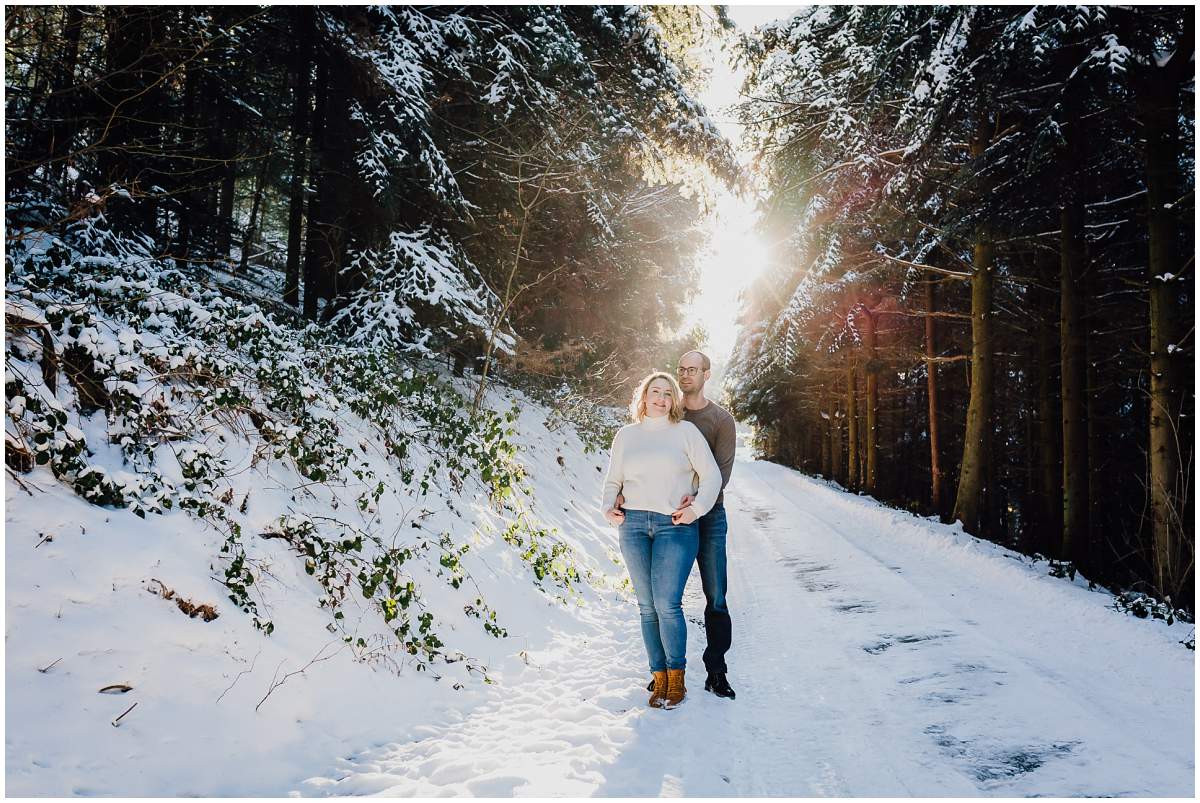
812,453
302,43
134,61
316,240
60,111
511,291
186,234
996,505
969,502
872,371
343,213
1158,105
825,420
228,139
862,450
852,426
1030,504
1073,337
209,120
836,463
935,461
251,233
886,442
1095,436
1049,440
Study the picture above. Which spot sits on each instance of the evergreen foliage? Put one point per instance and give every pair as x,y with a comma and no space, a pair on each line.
963,191
436,179
240,234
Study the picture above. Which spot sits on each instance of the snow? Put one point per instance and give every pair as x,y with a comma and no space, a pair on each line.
875,653
422,266
88,599
1110,53
23,312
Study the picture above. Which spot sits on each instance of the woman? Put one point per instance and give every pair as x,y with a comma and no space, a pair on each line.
654,463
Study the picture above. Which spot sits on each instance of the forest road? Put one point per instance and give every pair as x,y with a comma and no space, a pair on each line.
875,654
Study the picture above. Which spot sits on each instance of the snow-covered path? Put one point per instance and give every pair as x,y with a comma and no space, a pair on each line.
874,654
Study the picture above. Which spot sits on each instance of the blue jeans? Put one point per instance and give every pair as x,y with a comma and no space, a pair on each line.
660,555
711,559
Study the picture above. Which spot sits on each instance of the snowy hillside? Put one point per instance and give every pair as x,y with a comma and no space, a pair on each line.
85,610
262,544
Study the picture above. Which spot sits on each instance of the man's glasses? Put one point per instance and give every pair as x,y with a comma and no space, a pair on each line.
690,371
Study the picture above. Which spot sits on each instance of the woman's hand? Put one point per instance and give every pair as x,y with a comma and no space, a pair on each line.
685,516
615,516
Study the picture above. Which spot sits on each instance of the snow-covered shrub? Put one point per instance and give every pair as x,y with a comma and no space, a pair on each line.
421,269
1144,606
1062,568
572,406
181,385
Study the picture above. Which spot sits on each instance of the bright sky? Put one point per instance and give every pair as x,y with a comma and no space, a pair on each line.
736,254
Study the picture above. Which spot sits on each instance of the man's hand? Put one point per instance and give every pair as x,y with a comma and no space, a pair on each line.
685,516
615,517
620,500
685,502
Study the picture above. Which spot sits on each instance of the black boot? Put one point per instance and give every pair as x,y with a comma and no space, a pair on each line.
718,685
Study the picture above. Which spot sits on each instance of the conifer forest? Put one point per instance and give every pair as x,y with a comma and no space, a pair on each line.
323,321
983,305
980,296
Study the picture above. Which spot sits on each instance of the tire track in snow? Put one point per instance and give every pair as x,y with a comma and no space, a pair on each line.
953,640
813,687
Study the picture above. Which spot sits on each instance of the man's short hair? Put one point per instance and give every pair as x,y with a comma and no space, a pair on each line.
705,362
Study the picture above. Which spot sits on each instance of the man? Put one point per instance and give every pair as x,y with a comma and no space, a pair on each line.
718,428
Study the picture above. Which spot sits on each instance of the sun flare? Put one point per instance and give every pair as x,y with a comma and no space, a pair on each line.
735,257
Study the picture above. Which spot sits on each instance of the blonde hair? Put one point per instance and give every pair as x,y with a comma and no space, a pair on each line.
637,406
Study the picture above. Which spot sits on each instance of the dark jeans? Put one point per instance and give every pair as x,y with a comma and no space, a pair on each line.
660,555
711,559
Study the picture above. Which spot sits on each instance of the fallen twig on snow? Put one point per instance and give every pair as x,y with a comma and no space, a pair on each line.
277,681
116,688
117,721
239,675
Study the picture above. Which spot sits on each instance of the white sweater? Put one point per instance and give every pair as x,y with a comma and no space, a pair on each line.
655,463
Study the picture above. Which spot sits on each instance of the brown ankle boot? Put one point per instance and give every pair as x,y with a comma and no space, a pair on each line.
658,691
675,688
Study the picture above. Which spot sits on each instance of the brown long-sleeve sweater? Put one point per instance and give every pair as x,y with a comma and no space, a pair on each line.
720,430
